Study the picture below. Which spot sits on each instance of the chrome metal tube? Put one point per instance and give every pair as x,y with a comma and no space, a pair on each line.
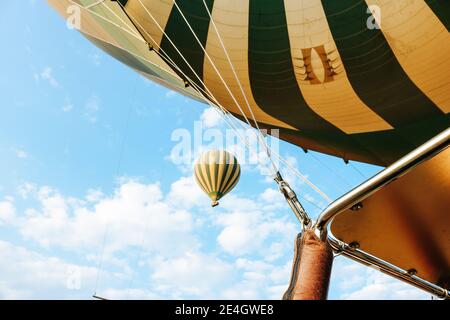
394,171
387,268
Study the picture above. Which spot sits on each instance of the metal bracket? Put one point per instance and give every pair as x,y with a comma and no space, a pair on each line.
293,201
356,254
354,200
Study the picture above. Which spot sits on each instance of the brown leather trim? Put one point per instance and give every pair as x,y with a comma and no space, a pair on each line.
313,260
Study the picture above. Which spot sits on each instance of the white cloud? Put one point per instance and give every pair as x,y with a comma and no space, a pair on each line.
379,286
170,94
211,118
192,274
357,282
139,217
251,155
94,195
186,193
198,275
7,211
134,216
67,107
252,227
273,199
26,189
95,59
30,275
92,108
128,293
260,280
247,253
47,75
21,154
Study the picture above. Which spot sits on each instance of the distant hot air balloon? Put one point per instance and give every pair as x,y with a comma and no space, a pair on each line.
217,173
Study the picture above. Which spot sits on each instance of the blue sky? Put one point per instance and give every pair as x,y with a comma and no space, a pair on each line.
86,176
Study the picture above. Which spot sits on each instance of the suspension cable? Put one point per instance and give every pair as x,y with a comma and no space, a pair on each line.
296,172
336,174
210,60
357,170
118,17
167,57
118,168
106,19
199,89
250,109
306,180
223,81
224,113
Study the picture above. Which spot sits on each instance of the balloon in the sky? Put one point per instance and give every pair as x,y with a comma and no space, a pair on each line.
217,173
362,80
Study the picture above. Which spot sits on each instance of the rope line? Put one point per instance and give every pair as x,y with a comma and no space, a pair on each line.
357,170
106,19
215,102
336,174
306,180
250,109
295,171
118,167
202,94
117,16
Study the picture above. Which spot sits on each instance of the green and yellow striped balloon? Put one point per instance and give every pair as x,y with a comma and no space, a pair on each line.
323,72
217,173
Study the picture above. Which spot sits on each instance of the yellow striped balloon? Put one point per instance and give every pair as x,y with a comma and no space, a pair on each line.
217,173
364,80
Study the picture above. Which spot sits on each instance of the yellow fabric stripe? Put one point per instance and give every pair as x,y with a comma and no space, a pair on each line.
204,170
330,95
201,182
213,160
222,165
96,27
421,44
105,8
159,9
231,19
88,21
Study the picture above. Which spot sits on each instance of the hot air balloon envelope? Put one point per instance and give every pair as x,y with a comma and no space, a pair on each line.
217,173
362,80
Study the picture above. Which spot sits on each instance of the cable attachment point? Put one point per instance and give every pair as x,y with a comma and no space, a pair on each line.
293,202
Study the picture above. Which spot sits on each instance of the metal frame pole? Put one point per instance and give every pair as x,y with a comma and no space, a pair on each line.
423,153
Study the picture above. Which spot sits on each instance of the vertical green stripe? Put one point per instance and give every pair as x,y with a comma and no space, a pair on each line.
273,81
233,180
234,167
216,169
208,176
180,34
201,178
123,3
372,67
392,145
225,171
441,9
